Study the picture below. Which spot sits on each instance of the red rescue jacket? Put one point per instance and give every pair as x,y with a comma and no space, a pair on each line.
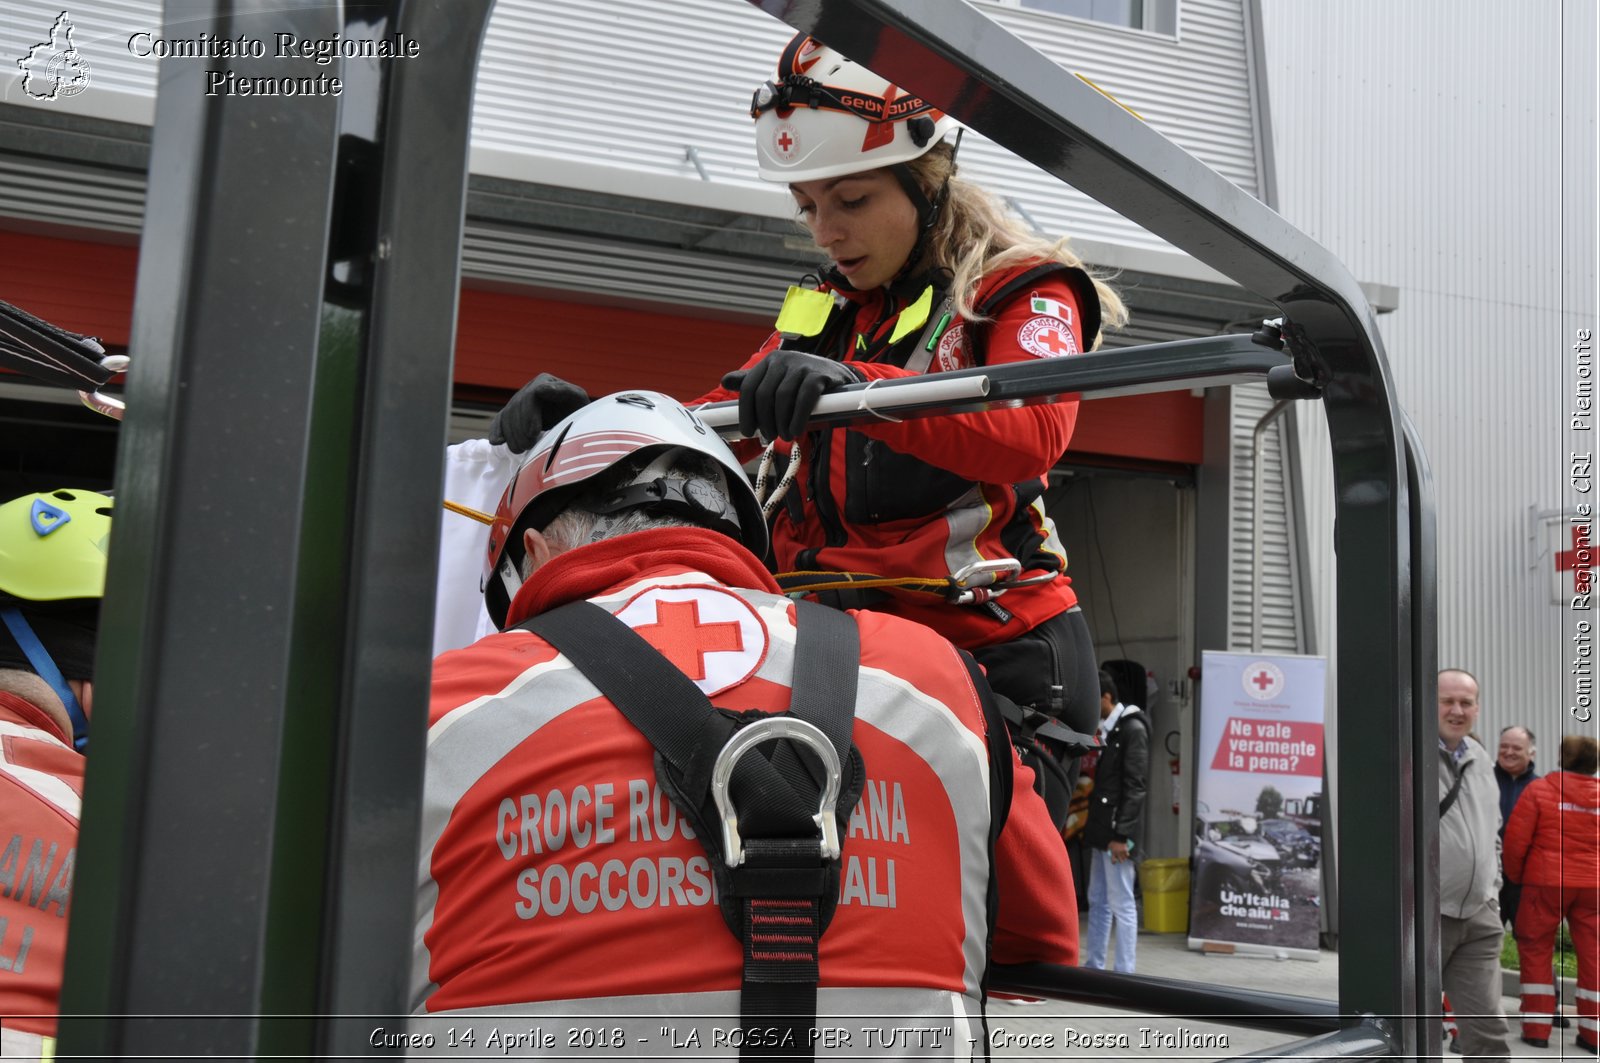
926,497
41,791
1553,838
556,877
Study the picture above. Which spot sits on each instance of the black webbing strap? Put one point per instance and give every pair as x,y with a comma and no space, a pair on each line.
997,738
785,887
827,656
46,353
1457,774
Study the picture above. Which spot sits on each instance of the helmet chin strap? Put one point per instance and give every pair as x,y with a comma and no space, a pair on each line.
45,666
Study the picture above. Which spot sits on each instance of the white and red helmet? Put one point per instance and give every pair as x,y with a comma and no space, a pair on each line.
826,116
642,425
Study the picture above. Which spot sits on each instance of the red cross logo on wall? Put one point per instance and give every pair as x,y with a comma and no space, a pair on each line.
1580,560
685,641
1262,680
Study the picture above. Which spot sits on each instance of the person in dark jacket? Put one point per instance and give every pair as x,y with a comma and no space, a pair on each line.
1116,813
1513,770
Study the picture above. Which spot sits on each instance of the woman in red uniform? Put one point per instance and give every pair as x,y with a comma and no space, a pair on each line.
925,272
939,520
1552,847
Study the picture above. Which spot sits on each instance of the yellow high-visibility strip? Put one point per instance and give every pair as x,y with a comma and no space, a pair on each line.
804,311
914,316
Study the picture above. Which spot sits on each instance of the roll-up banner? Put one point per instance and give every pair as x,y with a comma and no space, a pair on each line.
1257,876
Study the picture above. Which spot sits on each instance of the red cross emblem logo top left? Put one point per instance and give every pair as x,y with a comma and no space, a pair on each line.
711,635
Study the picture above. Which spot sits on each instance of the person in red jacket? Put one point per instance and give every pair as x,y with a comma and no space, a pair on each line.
1552,847
559,879
939,520
925,272
52,573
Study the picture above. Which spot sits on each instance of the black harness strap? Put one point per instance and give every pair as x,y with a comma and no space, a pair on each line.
43,351
1457,774
998,740
782,897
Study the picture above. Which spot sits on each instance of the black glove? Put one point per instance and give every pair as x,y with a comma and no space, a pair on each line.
542,402
778,394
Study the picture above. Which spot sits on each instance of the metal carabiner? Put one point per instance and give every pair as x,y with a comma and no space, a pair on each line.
999,569
768,730
109,405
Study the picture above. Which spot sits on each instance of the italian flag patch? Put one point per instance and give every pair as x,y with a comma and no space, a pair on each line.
1050,308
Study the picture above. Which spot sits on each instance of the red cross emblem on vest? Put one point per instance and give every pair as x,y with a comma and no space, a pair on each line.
711,635
682,639
1046,337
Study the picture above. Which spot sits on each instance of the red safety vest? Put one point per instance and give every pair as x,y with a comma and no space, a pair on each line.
558,880
927,497
41,792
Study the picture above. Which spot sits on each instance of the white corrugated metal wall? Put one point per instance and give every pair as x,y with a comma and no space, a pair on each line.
1280,628
612,97
621,90
634,83
1448,148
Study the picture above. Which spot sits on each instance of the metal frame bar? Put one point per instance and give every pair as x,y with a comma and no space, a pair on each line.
1207,362
264,685
1368,1037
249,837
211,471
1168,996
997,84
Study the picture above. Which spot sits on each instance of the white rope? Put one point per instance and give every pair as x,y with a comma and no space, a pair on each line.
769,504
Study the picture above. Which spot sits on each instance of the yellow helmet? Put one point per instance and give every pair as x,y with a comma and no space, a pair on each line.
53,546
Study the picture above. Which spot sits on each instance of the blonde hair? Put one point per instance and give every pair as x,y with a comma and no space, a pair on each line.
976,236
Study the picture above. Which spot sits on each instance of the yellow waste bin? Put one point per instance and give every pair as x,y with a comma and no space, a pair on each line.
1164,881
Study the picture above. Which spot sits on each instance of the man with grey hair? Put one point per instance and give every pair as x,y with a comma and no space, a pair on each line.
564,873
1470,932
1513,770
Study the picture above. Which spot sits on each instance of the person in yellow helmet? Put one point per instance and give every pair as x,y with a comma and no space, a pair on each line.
52,574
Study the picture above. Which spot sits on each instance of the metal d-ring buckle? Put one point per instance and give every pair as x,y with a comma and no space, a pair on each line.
109,405
768,730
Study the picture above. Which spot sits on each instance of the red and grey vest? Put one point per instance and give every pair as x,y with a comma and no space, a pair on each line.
559,882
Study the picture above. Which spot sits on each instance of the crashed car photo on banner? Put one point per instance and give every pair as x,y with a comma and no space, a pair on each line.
1256,880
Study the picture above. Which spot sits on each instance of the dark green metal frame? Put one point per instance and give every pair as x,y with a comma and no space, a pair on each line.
249,832
1386,624
250,827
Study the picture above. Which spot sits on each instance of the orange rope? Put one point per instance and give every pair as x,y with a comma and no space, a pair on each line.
468,511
